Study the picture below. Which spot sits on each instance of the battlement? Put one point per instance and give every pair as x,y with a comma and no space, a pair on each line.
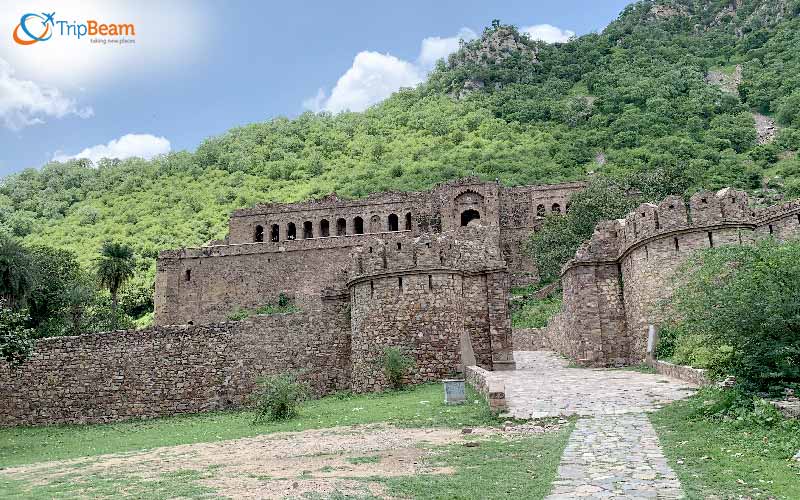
705,209
617,285
470,249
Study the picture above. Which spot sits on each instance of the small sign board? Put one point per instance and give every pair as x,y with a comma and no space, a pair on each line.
454,392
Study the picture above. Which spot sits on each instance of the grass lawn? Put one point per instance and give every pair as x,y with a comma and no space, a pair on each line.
522,468
728,459
500,466
420,406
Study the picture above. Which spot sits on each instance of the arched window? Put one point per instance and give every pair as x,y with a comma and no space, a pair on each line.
258,237
556,208
408,221
308,230
468,216
341,227
275,233
291,231
540,210
393,223
358,225
324,228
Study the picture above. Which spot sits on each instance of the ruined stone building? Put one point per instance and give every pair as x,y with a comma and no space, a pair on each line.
427,272
299,248
618,282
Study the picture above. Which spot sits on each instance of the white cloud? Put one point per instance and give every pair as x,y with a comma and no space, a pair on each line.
316,103
435,48
24,103
548,33
374,76
129,145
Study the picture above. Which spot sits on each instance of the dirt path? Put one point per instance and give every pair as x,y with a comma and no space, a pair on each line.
316,462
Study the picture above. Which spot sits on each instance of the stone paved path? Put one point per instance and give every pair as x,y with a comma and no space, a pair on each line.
614,457
614,450
543,386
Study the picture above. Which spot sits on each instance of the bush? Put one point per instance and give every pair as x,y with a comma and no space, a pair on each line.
279,396
700,351
536,313
738,314
395,366
15,338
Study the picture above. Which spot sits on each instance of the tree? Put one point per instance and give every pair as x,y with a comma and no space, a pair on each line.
15,275
115,266
561,235
15,338
55,272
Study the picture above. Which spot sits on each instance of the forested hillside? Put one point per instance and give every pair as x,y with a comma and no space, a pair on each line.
668,90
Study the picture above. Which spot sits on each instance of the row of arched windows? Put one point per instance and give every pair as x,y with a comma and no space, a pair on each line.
324,228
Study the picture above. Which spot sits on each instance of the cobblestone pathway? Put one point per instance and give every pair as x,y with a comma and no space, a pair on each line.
614,457
614,450
543,386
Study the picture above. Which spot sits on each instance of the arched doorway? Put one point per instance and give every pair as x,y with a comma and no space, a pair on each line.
468,216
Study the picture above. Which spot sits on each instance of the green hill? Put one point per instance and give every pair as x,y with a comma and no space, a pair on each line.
670,86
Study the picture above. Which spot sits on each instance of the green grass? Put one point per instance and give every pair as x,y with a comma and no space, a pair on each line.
372,459
536,313
419,406
107,484
728,459
498,468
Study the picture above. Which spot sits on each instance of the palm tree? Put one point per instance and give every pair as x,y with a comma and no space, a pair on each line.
16,279
114,267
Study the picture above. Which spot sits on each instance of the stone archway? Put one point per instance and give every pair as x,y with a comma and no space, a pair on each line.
468,216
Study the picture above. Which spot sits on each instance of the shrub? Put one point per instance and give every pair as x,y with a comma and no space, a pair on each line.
739,314
700,351
395,365
278,397
536,313
15,338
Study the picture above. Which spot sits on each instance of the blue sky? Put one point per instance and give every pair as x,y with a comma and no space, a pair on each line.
197,69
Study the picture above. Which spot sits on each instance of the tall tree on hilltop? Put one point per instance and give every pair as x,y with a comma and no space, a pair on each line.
16,279
115,266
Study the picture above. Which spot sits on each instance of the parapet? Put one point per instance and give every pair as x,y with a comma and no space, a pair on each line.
472,248
612,239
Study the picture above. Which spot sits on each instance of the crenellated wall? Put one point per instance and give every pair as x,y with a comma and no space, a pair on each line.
616,285
440,298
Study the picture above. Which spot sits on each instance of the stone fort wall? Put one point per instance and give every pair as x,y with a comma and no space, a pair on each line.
619,280
297,248
442,298
165,370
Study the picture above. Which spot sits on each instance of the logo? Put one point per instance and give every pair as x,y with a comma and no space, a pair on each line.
28,21
34,28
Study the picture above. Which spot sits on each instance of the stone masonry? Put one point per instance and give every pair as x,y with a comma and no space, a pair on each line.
299,248
618,281
441,298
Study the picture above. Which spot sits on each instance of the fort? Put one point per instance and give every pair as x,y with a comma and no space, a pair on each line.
428,272
299,248
618,281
